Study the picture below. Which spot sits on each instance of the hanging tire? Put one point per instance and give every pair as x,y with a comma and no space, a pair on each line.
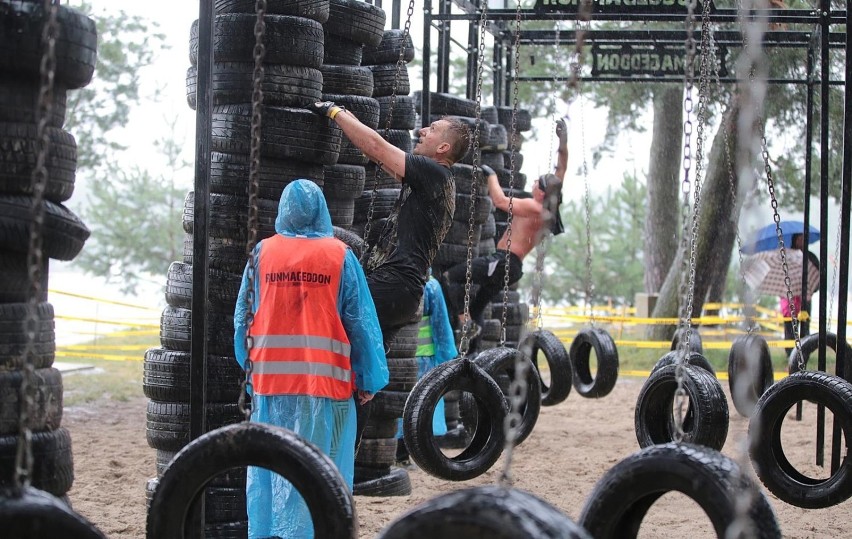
393,43
395,483
34,513
287,133
493,512
767,454
352,240
356,21
704,423
349,80
14,337
749,372
282,85
228,174
695,344
558,362
63,233
312,473
695,359
45,410
499,363
53,468
75,49
295,41
311,9
622,497
487,442
810,344
166,376
601,342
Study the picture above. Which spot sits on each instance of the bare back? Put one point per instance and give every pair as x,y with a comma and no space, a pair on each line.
526,231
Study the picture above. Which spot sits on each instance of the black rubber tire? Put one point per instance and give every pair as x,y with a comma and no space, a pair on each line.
403,373
450,254
14,337
282,85
14,278
222,288
341,51
34,513
345,79
395,483
398,138
495,139
516,313
493,512
63,233
491,329
441,104
344,181
352,240
500,363
168,422
388,404
228,216
487,443
379,428
459,231
622,497
404,344
463,175
558,361
19,102
19,153
519,181
165,376
45,412
749,372
224,254
706,421
287,133
341,210
386,77
767,454
523,118
235,477
53,469
695,343
810,344
481,210
695,359
382,202
385,180
489,114
356,21
376,452
387,51
403,118
366,109
176,331
75,49
519,161
229,173
312,473
607,354
311,9
295,41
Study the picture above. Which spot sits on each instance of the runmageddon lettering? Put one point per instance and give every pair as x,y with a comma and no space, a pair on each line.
297,277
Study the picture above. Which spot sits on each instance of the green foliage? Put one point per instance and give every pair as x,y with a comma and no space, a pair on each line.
616,220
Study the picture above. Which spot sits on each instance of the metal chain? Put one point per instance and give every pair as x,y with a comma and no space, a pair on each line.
400,62
35,256
518,387
253,189
834,279
464,343
556,58
584,17
589,309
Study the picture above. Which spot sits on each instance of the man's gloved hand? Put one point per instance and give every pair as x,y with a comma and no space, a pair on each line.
562,131
324,108
488,171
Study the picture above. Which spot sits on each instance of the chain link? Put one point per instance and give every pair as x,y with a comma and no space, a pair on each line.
588,309
518,386
400,63
253,187
35,256
464,344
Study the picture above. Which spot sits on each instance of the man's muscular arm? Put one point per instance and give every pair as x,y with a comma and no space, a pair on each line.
364,138
562,150
521,207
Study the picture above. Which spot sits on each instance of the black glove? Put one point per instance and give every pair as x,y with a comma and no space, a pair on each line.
488,171
322,108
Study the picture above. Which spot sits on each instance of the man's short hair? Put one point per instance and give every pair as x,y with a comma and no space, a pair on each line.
458,136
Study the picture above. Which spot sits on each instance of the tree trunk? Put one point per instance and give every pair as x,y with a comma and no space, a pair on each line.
661,231
715,234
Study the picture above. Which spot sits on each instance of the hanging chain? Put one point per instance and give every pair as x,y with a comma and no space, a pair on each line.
518,386
589,309
584,17
253,188
400,62
834,280
464,344
35,256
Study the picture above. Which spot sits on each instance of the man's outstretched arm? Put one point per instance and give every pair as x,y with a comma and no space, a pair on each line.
364,138
521,207
562,150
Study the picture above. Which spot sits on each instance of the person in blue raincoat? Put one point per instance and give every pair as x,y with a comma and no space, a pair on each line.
315,326
435,345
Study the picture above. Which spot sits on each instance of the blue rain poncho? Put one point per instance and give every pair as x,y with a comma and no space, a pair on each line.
274,507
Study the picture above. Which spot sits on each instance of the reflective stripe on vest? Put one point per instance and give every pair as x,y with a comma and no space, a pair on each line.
425,342
299,345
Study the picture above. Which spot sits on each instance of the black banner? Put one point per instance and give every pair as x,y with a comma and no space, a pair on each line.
646,60
623,6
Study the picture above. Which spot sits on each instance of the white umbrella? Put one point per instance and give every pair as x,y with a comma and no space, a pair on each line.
764,273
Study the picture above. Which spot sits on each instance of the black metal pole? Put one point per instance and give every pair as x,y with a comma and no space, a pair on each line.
425,109
473,60
443,69
395,14
497,68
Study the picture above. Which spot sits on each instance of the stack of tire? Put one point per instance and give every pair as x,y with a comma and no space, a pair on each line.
352,25
295,143
62,232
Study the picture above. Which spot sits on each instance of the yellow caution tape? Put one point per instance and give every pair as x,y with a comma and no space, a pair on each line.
109,322
109,357
102,300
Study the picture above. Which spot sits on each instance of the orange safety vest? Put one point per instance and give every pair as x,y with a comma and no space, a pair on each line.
299,346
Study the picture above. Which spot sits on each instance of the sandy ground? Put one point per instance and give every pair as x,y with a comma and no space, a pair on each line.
572,446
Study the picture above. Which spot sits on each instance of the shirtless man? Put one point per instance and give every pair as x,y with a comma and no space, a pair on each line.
531,219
